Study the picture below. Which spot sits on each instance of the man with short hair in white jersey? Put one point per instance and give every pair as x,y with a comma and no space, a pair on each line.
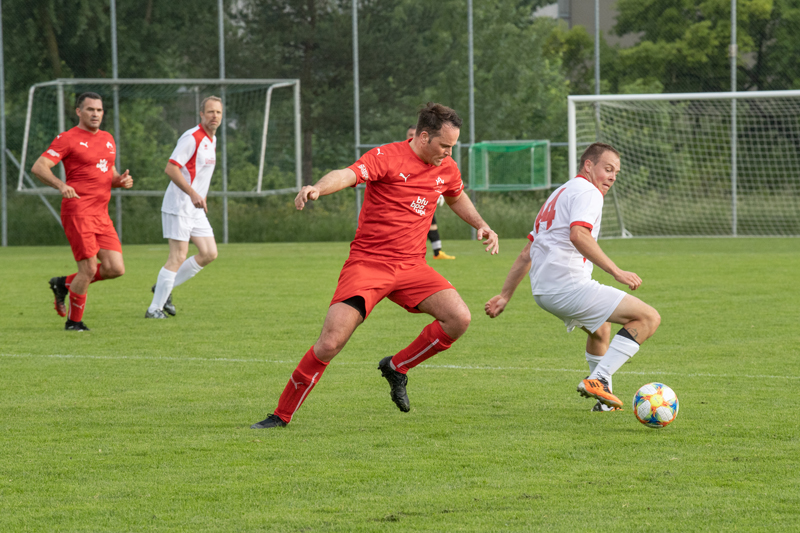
183,211
559,256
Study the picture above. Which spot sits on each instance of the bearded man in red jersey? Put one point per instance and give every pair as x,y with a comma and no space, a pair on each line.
387,257
88,154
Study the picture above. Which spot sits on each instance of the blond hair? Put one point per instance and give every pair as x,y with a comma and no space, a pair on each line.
207,99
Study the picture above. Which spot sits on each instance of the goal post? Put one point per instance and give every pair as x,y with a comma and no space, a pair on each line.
696,164
262,137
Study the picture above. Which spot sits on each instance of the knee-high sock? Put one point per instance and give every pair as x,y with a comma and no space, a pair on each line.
593,361
303,379
164,283
77,303
187,271
97,277
620,350
431,341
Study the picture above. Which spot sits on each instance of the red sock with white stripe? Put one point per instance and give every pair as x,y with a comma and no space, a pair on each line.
431,341
303,379
77,302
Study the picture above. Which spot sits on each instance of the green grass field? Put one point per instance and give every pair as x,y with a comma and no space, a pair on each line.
144,425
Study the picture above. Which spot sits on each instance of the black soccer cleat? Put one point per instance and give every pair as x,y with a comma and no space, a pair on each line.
59,287
397,382
71,325
158,313
169,307
272,421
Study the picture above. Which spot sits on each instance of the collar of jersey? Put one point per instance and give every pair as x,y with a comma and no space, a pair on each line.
587,179
205,132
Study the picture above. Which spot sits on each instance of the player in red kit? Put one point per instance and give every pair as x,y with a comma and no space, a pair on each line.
387,257
88,155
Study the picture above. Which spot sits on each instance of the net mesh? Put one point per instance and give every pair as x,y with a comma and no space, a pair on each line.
153,116
676,177
509,166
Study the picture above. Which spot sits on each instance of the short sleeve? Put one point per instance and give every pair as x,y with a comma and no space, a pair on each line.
455,185
184,151
58,150
370,167
586,209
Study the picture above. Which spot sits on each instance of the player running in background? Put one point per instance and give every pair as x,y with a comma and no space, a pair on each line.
387,256
433,233
562,249
183,211
88,154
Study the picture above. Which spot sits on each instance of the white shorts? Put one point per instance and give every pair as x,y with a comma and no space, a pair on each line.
183,228
588,306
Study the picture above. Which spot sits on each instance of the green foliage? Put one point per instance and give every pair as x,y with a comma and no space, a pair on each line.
144,425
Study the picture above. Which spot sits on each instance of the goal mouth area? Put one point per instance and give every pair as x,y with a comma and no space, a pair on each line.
696,164
258,143
516,165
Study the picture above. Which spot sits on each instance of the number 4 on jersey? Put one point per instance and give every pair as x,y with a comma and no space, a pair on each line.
547,213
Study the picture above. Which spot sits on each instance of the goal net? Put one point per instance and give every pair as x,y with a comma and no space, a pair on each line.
509,165
258,144
704,164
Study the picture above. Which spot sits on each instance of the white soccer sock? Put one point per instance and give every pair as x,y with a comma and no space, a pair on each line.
436,245
187,271
166,279
593,361
620,350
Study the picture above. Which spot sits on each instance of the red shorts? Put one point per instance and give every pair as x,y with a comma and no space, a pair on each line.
88,235
405,283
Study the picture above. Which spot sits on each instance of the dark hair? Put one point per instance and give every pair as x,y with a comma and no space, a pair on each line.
84,96
594,151
411,127
433,116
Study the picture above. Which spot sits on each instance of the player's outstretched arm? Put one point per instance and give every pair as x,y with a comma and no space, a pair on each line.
332,182
463,207
42,169
583,241
520,268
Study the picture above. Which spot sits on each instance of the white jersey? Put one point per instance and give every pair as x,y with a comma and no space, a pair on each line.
195,155
557,266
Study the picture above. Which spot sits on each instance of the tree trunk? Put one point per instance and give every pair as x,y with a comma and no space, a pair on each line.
51,41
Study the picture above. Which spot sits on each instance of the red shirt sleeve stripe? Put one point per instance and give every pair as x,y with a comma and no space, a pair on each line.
584,224
530,237
175,163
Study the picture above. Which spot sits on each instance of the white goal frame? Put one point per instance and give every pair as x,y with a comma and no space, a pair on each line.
115,83
733,97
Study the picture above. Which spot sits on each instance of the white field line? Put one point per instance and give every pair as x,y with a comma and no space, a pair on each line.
343,363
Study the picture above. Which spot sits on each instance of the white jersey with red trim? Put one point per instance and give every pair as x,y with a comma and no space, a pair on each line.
195,155
557,266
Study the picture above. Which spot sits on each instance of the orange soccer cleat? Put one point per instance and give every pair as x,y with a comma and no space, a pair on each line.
598,389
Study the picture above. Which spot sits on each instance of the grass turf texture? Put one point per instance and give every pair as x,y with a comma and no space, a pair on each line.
144,424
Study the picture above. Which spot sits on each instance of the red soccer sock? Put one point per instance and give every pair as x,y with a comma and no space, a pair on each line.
431,341
303,379
77,302
97,277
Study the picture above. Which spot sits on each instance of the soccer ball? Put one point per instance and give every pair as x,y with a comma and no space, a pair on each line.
655,405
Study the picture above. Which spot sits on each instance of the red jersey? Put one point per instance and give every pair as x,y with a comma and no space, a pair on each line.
88,161
399,201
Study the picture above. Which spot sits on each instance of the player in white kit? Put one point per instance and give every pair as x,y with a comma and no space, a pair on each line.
560,255
183,211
